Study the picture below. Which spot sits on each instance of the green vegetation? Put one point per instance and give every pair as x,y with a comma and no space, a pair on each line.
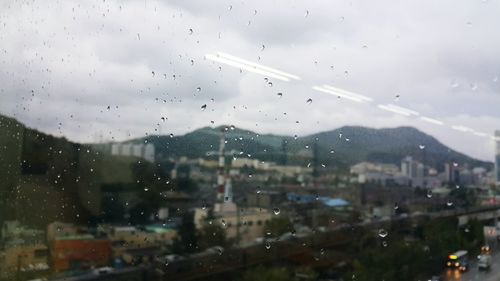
268,274
376,145
408,260
212,233
277,226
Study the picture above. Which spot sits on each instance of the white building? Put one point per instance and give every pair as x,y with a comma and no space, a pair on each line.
143,151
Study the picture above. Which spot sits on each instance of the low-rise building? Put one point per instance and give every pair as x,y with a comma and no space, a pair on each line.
79,252
23,250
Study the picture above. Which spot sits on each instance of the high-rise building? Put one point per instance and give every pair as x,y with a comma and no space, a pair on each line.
497,156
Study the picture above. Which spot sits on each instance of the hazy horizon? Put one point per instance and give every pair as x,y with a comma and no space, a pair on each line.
257,132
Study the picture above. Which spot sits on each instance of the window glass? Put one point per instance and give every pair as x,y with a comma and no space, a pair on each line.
249,140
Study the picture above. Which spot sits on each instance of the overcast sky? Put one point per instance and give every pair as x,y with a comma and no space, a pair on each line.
63,63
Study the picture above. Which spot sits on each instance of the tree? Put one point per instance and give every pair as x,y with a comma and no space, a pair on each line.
278,226
187,239
113,210
268,274
212,233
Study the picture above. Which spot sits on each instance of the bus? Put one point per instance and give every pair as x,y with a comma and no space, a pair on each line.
458,260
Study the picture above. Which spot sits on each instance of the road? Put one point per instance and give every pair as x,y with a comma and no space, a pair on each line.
474,274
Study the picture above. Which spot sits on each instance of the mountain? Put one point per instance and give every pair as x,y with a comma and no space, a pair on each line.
341,147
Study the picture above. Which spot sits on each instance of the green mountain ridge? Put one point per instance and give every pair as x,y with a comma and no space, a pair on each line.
341,147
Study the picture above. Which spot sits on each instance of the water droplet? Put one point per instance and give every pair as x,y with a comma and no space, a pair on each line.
223,222
421,146
397,97
280,95
309,101
232,127
473,86
455,164
203,107
449,203
268,245
457,186
295,137
276,211
396,206
454,83
190,31
270,84
198,89
382,233
262,47
306,14
384,243
429,193
230,7
146,189
332,151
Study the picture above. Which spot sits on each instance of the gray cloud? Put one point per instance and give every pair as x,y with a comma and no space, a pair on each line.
440,58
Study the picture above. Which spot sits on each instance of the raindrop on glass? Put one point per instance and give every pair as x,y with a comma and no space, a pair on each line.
198,89
309,101
382,233
203,107
421,146
473,86
276,211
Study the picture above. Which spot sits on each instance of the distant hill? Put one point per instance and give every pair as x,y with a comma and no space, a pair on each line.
341,147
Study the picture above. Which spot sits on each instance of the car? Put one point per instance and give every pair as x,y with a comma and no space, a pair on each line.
484,262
